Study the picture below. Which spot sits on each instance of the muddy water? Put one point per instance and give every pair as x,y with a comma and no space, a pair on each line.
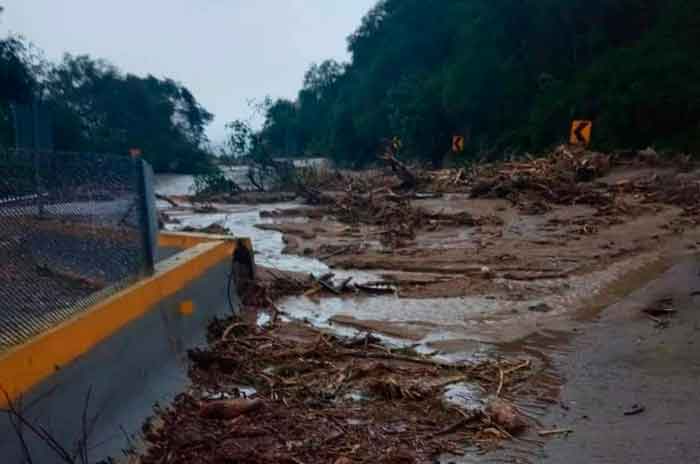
423,320
459,328
413,322
178,184
241,220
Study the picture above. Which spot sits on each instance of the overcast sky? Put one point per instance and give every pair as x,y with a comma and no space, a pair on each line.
225,51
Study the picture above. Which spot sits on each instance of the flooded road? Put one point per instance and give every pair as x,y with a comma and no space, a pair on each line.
424,323
456,327
240,220
562,322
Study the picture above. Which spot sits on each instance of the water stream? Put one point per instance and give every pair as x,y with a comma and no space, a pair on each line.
458,328
425,320
422,323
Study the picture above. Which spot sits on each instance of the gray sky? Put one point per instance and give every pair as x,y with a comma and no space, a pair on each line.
225,51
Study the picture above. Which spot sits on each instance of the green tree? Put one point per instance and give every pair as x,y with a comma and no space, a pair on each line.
509,75
17,83
97,108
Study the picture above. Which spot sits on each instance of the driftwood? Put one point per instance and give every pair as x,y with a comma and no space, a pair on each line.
408,178
547,433
326,281
375,289
168,200
329,286
314,196
344,284
253,181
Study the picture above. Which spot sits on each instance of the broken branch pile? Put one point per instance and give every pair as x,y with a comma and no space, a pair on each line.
321,399
675,189
393,212
271,284
567,177
560,178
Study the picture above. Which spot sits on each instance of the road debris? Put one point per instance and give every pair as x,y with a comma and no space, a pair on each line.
660,312
635,409
331,399
504,414
392,212
321,398
540,308
662,307
213,229
229,409
549,433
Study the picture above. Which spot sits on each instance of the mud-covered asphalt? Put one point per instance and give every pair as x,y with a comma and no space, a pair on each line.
625,363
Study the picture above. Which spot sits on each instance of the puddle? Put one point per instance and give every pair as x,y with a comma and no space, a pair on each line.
239,392
431,312
421,324
464,395
356,396
263,319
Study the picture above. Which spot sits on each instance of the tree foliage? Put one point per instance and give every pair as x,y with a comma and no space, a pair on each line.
508,74
101,109
16,82
97,108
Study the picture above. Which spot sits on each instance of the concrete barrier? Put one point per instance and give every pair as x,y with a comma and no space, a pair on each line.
125,353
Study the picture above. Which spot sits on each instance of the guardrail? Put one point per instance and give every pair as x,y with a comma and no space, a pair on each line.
74,227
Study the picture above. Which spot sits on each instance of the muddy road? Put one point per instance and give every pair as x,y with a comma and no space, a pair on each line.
576,286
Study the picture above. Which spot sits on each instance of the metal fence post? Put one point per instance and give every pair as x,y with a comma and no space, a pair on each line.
37,158
101,236
149,215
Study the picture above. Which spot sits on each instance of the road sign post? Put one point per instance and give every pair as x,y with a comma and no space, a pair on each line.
580,132
458,143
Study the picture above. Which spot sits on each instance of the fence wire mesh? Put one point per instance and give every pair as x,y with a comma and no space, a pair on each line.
74,227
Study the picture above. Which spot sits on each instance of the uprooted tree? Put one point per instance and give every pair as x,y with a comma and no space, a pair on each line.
264,171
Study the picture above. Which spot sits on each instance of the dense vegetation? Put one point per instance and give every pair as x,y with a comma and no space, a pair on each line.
508,74
95,107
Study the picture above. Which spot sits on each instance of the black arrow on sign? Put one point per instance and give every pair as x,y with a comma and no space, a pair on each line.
578,132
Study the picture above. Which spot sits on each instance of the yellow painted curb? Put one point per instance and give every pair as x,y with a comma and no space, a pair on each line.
186,240
24,366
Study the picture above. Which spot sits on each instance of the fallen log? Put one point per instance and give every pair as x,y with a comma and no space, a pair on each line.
168,200
376,289
344,284
405,174
329,286
229,409
547,433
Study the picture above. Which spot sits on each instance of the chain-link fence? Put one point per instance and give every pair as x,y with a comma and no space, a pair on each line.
74,227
